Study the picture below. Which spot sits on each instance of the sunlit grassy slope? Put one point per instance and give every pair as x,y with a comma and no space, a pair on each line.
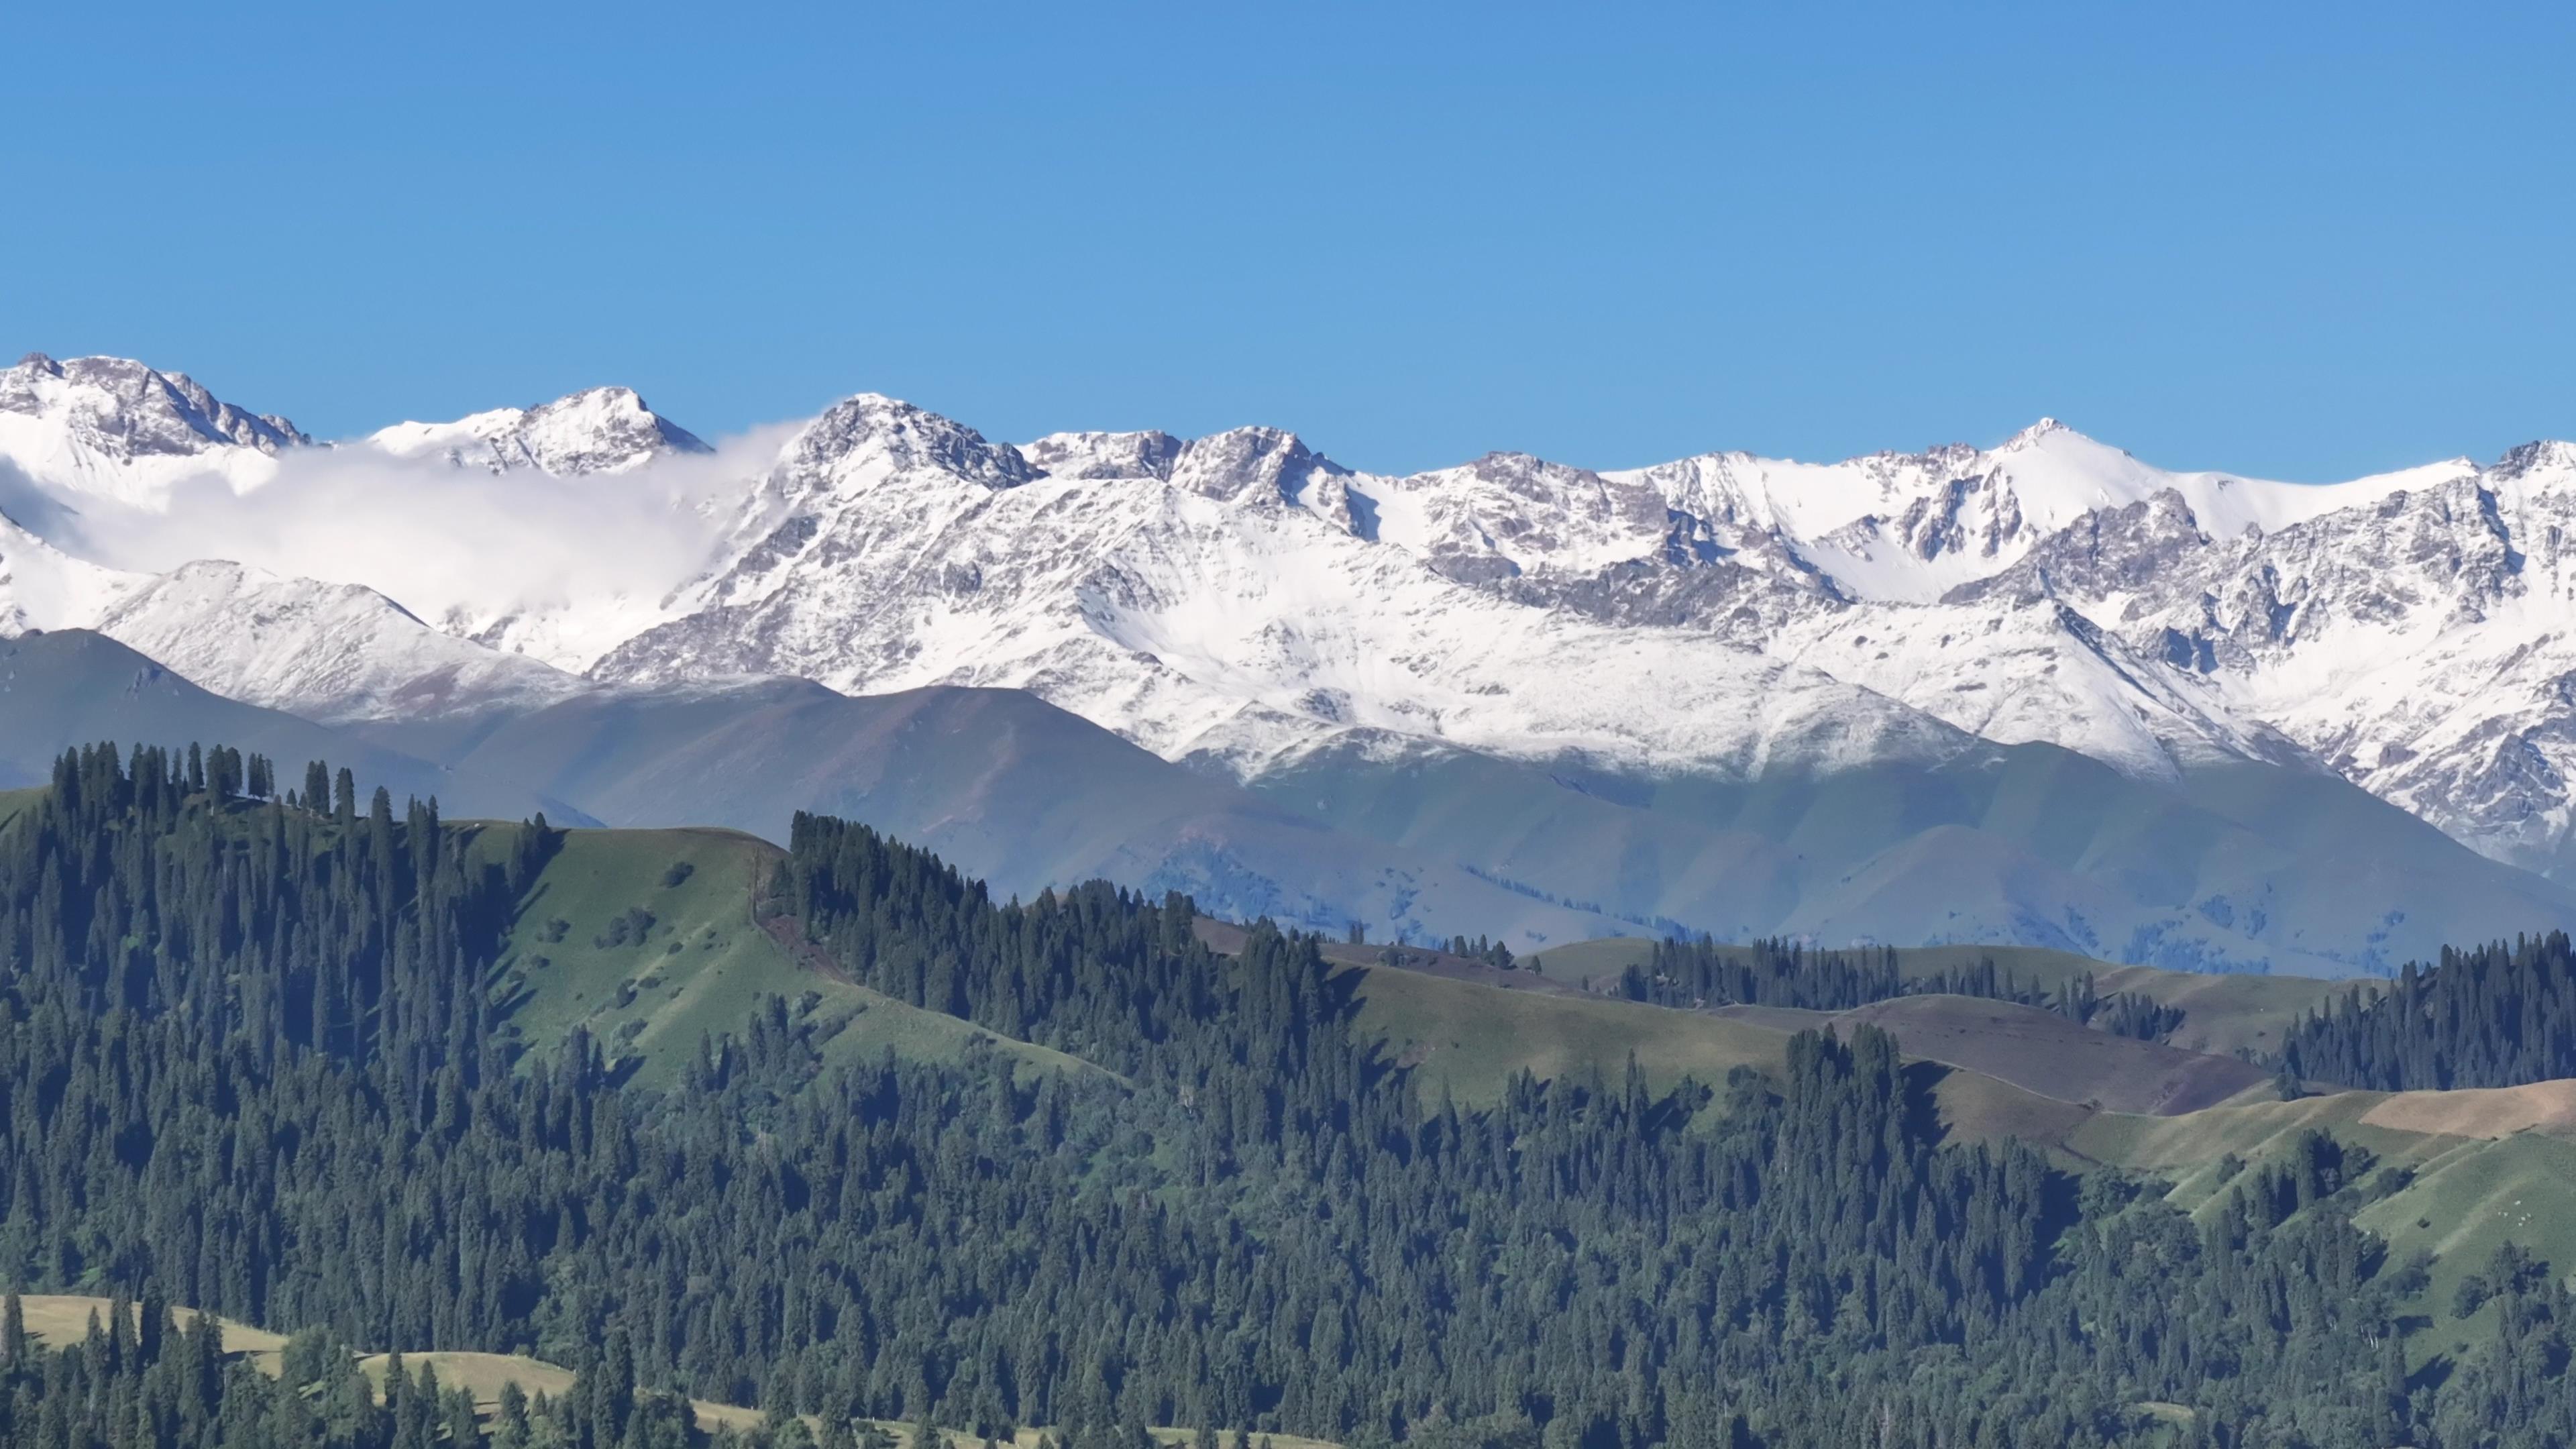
646,938
1468,1038
1472,1038
2452,1173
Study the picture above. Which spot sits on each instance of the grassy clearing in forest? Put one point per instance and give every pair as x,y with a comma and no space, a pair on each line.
646,938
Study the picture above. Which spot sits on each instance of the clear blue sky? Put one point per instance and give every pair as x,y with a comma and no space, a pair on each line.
2297,241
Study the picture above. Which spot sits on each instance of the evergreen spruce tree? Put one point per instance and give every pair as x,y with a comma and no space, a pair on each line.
511,1425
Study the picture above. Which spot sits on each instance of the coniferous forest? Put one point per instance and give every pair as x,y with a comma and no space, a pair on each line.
252,1060
1786,973
1701,973
2492,1016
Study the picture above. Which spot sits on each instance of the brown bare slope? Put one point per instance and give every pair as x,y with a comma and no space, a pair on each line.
2043,1052
2547,1108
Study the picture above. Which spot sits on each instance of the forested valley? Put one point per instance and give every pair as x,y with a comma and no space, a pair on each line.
258,1058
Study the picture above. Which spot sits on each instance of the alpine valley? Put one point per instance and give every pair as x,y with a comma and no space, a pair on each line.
2038,694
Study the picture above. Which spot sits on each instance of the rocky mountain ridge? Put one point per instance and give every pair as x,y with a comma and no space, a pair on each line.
112,427
597,430
1243,603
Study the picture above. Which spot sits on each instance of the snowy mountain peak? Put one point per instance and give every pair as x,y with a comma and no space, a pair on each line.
2545,456
868,437
2035,432
1104,455
159,411
601,430
597,430
115,428
1262,466
330,651
1509,514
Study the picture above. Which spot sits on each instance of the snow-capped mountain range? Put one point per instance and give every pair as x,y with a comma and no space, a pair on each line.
1240,602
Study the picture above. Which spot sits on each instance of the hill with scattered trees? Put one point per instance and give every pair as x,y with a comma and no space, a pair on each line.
288,1054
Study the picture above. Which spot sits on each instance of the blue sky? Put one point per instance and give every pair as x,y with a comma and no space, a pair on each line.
2292,241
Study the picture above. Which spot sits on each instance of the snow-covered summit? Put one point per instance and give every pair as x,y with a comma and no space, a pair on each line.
1911,527
1507,514
2546,458
1207,617
870,437
113,428
598,430
1188,592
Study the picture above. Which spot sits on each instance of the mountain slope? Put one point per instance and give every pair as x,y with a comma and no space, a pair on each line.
696,964
2236,867
1751,635
41,587
330,652
1020,793
74,687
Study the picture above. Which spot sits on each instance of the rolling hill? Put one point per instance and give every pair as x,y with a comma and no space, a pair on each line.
646,940
2475,1168
2222,1015
75,687
1166,1062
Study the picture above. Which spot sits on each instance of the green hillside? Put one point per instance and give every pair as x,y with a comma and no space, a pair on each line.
1470,1038
645,938
1253,1176
2223,1015
1465,1028
2455,1174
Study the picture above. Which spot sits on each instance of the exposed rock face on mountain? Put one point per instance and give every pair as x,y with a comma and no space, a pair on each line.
1722,623
1205,616
1104,455
107,427
2416,641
